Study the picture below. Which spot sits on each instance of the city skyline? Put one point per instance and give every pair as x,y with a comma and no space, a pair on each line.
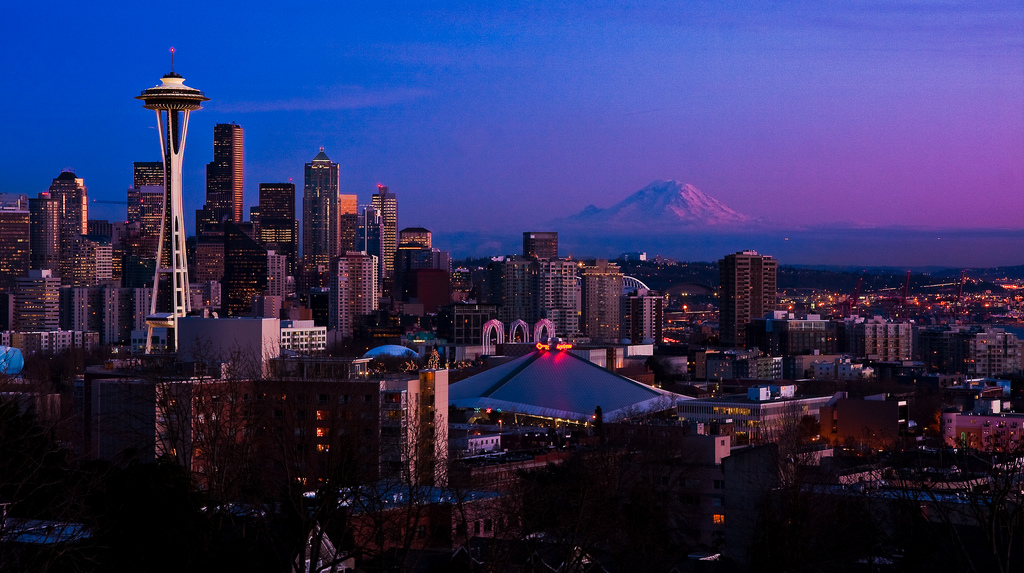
858,116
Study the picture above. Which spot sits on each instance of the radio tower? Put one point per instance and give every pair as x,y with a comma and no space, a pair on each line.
172,100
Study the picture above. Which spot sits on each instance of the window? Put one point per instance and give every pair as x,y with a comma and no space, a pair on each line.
323,398
323,448
322,432
719,484
343,399
367,398
718,518
488,525
321,414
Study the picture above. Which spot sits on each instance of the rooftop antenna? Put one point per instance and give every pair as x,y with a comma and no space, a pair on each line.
172,59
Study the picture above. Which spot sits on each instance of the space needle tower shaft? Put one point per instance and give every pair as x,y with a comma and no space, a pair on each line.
172,100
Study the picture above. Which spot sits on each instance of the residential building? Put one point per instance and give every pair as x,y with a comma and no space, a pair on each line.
303,337
642,316
747,290
880,339
599,301
353,292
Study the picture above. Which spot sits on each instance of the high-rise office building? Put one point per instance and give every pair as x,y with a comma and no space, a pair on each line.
600,291
414,258
353,292
245,270
276,226
320,211
387,205
89,262
172,101
144,174
348,223
209,263
147,173
15,241
73,206
224,175
540,245
37,302
44,232
748,290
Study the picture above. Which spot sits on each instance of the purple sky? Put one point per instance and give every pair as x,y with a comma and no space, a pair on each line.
508,114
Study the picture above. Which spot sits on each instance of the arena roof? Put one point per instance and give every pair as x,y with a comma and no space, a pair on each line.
558,384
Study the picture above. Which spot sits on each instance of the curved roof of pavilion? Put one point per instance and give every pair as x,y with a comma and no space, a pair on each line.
558,384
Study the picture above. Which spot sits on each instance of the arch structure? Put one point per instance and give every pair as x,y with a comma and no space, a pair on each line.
498,329
630,284
522,329
543,329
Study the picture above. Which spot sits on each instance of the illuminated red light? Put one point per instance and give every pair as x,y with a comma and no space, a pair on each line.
559,346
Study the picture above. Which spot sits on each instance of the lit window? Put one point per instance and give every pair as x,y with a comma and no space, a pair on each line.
718,518
321,432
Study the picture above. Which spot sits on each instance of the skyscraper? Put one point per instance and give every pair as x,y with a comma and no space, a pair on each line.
319,211
37,302
353,292
599,300
44,232
172,101
348,222
748,290
387,205
245,270
144,173
540,245
73,206
276,227
224,175
15,241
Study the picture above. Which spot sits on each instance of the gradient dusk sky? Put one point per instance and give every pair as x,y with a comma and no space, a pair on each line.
513,113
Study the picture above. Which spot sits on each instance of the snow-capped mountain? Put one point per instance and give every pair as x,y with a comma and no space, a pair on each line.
663,203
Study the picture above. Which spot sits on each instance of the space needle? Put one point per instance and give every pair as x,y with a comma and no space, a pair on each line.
172,100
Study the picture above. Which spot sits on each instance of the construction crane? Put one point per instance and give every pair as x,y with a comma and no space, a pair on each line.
903,295
955,307
894,304
847,306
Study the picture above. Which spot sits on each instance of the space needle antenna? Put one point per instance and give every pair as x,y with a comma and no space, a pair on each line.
172,59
